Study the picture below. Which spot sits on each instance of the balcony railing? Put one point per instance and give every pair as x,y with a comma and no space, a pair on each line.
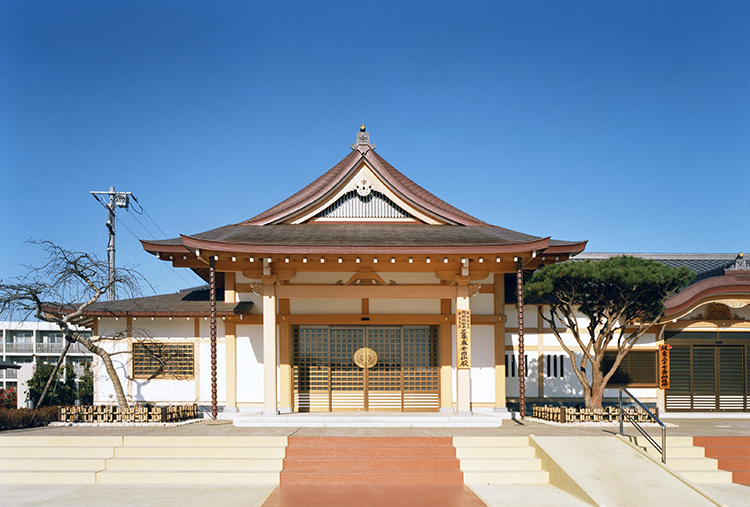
11,373
47,348
27,348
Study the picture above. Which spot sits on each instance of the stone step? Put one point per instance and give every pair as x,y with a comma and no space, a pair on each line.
368,442
56,452
500,465
186,477
369,464
507,477
707,477
195,464
484,441
47,477
59,441
696,464
204,441
371,452
52,464
675,451
370,460
371,477
739,441
199,452
495,452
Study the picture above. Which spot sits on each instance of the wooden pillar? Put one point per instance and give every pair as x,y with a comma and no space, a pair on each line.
286,368
230,341
500,395
463,373
269,348
129,341
230,294
446,357
541,359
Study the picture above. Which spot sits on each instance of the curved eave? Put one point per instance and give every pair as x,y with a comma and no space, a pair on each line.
193,243
157,247
568,248
161,313
720,288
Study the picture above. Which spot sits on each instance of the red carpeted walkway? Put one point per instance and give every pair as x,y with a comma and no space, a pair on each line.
732,453
371,471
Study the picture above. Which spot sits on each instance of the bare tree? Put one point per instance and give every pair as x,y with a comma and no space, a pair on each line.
60,291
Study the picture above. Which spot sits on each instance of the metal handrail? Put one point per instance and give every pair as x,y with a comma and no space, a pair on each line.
663,448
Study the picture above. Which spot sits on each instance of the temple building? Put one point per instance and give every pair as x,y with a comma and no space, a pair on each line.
365,292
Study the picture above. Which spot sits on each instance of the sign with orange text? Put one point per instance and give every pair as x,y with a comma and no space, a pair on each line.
463,335
664,366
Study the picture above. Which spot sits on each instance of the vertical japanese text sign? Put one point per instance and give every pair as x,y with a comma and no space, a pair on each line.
664,366
463,334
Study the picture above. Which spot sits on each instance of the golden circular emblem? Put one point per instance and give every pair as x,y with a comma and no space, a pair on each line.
365,357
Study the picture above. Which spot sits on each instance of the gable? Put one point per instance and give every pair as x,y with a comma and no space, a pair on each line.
363,196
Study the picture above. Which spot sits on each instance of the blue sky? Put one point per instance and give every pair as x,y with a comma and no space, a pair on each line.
623,123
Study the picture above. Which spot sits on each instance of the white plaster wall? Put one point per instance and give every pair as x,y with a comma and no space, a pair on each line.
482,304
566,386
530,317
532,382
482,364
530,338
163,327
244,297
221,372
249,363
301,306
405,306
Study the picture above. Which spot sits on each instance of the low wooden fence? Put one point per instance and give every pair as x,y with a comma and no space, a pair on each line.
136,413
572,414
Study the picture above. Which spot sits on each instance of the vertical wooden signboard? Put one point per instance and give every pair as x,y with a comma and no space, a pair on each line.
664,366
463,333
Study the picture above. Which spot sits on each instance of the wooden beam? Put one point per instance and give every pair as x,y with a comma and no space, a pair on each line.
359,319
426,291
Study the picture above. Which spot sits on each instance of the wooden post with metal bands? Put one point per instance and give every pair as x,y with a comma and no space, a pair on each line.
212,292
521,351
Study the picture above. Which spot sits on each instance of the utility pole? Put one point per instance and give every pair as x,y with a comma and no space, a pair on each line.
116,200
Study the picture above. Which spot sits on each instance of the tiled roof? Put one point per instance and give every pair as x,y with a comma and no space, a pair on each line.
191,302
704,265
267,232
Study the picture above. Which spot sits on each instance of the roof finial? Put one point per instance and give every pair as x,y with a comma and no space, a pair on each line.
363,138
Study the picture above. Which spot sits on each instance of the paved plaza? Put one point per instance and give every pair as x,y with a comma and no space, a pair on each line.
371,495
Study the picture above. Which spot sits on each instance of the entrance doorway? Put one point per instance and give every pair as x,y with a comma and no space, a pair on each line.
365,368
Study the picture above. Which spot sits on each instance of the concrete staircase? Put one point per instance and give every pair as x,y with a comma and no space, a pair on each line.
731,453
54,460
141,460
499,460
370,460
689,460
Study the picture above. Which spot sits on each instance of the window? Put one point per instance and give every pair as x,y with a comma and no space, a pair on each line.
637,369
162,360
554,364
511,365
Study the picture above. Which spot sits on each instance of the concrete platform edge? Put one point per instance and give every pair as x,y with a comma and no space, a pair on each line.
558,476
688,483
